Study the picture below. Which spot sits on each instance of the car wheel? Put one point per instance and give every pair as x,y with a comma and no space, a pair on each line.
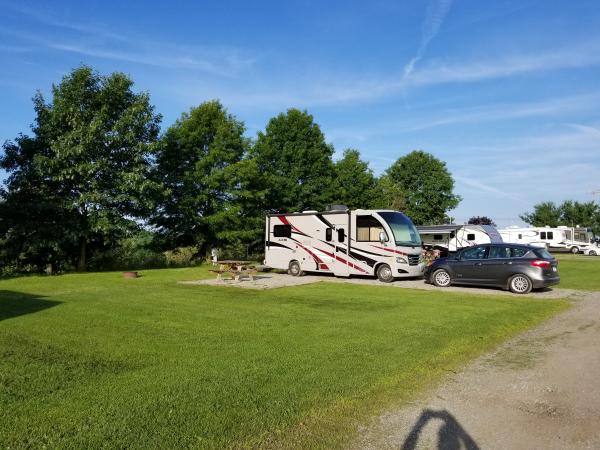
441,278
385,274
520,284
574,250
295,269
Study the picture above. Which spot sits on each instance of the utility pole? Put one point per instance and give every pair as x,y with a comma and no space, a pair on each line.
594,193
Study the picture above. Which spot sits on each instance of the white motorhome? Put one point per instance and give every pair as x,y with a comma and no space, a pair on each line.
344,242
571,239
450,238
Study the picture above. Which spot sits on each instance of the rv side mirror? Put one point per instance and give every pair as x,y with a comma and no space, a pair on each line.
383,237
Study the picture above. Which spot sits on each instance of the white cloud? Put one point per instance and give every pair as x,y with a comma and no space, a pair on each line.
97,42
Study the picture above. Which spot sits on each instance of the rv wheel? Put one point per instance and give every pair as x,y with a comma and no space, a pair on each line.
574,250
385,274
295,269
592,253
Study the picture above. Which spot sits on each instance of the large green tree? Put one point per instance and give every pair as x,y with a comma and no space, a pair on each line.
354,184
294,162
426,185
207,198
88,161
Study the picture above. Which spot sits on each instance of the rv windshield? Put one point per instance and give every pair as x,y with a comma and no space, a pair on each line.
404,231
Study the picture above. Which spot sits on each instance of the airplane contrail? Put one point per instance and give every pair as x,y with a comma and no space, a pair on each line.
436,14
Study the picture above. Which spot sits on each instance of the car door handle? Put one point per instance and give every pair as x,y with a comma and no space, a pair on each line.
478,264
509,262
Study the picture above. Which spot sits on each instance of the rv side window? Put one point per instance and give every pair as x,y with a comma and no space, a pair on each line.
282,231
368,229
328,234
550,235
543,235
470,237
520,236
438,237
341,235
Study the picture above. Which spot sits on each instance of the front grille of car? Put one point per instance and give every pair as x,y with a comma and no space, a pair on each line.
413,260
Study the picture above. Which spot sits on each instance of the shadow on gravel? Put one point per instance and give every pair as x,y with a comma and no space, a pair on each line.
13,304
451,435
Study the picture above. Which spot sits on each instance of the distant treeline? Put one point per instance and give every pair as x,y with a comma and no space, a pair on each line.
95,185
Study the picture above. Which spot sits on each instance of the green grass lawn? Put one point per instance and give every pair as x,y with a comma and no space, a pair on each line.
578,271
97,361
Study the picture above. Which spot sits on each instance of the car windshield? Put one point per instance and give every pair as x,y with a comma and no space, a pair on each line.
404,231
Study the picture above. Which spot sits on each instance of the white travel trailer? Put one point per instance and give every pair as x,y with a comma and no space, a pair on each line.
450,238
571,239
344,242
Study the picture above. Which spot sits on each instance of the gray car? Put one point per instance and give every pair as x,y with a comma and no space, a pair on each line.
519,268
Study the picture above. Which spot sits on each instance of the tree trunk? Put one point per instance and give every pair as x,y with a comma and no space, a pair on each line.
81,262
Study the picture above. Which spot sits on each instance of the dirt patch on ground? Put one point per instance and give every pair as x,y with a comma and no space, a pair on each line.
269,280
540,390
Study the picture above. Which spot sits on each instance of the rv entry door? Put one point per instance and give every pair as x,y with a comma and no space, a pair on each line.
341,237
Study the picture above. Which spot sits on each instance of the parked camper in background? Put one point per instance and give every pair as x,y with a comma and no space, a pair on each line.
568,239
592,250
450,238
540,237
344,242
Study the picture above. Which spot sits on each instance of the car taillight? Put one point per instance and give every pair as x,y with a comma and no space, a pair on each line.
541,263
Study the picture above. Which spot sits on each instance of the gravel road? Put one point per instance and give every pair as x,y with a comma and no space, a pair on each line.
270,280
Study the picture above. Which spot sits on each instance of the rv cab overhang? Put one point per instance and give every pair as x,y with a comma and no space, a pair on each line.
344,242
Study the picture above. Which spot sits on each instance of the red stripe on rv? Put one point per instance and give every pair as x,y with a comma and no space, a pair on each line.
391,250
285,221
315,257
343,260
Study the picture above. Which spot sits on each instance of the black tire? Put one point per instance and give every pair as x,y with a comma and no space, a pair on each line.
385,274
574,250
294,269
592,253
441,278
520,284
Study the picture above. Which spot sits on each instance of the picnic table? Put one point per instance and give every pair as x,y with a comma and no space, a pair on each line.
235,269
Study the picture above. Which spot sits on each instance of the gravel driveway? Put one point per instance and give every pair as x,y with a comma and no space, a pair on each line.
270,280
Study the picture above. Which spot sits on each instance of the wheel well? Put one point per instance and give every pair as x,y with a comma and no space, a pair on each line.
511,276
379,264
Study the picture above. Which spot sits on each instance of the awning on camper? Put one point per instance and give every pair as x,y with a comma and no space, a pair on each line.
438,229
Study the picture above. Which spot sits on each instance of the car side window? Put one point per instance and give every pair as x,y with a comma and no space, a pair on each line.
518,252
474,253
499,252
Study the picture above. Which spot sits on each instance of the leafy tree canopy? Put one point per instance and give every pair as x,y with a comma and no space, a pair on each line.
88,160
481,220
426,185
295,163
199,163
569,213
354,183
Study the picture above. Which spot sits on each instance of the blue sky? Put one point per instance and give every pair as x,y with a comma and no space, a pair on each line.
506,92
